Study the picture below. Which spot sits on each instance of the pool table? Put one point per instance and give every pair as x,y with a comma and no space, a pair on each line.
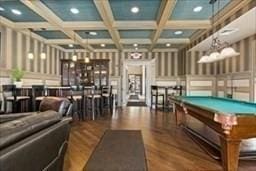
221,122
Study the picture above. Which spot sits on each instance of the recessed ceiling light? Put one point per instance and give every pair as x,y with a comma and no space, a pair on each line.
71,45
135,9
16,12
74,10
136,48
168,44
178,32
135,44
1,9
198,9
92,33
102,45
229,31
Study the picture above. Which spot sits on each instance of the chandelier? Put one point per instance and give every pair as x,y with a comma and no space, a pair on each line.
218,50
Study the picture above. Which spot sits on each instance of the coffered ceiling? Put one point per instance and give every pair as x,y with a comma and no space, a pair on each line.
118,24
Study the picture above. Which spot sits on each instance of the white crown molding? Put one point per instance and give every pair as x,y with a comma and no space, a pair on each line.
88,25
165,12
39,8
138,25
138,41
165,50
133,50
174,41
105,11
188,24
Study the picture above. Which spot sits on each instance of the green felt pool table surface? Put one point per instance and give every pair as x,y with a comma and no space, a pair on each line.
222,105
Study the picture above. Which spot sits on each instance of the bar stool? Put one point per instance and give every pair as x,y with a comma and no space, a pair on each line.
58,91
155,93
10,95
77,99
106,94
38,94
93,101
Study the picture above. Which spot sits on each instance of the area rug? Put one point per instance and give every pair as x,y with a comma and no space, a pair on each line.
118,150
134,97
136,104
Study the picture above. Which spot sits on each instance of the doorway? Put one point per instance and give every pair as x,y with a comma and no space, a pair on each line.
136,82
138,76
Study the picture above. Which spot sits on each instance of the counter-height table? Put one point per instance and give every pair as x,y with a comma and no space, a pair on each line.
166,89
223,125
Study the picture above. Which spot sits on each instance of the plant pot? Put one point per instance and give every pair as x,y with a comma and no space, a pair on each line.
18,84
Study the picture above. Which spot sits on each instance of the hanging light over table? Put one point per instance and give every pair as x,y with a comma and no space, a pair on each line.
218,50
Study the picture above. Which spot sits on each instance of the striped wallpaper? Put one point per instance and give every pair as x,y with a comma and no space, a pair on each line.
15,47
166,62
241,63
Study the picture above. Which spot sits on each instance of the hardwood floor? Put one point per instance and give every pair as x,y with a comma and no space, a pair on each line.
167,146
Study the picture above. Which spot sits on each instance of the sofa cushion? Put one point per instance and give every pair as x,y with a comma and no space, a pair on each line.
15,130
9,117
57,104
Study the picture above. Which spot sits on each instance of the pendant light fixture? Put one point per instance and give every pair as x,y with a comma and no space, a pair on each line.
43,52
87,59
30,53
74,56
218,50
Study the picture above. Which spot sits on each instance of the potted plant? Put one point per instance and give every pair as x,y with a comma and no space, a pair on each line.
17,75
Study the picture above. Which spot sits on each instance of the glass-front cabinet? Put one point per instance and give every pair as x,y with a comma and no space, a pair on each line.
96,72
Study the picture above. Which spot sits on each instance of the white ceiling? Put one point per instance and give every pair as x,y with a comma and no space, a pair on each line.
245,25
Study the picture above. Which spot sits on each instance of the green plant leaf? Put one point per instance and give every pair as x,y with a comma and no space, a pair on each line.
17,74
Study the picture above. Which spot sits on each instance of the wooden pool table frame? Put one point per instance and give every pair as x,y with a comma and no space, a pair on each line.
232,129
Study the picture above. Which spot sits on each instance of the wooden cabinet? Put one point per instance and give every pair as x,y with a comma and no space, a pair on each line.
96,72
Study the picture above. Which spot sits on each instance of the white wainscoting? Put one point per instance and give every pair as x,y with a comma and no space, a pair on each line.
221,83
201,83
200,93
166,83
238,83
221,94
241,96
52,82
29,82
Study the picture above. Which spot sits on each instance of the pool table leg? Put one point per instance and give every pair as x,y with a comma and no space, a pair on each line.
230,150
178,116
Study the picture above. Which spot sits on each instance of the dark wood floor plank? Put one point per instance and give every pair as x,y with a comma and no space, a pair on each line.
167,147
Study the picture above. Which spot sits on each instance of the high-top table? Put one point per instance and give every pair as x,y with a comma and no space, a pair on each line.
166,88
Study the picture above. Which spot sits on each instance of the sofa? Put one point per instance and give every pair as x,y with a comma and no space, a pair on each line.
35,141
